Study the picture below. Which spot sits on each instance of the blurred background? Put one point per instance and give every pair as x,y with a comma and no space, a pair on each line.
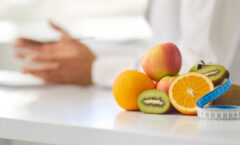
104,25
94,21
100,23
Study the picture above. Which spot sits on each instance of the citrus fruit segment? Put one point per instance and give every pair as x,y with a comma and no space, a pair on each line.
127,87
187,89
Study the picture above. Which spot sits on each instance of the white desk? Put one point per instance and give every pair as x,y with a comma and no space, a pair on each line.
71,115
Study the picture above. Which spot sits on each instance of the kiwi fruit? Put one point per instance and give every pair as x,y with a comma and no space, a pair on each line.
227,75
216,73
224,81
153,101
221,83
198,66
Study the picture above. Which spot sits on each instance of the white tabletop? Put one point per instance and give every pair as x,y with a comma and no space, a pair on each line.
73,115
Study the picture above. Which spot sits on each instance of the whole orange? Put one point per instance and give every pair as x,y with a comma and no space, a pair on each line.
128,85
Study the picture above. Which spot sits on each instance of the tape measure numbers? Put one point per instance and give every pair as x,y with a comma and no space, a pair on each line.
219,112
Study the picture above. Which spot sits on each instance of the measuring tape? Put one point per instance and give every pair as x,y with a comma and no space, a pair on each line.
219,112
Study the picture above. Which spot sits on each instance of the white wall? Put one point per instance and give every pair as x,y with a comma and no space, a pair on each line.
68,9
29,18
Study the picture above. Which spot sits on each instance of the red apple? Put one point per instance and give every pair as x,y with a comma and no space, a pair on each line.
162,60
165,83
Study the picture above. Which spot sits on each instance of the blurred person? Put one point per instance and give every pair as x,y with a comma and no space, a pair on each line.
202,29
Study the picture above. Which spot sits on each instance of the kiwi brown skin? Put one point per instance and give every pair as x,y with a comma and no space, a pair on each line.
224,81
198,66
218,82
227,75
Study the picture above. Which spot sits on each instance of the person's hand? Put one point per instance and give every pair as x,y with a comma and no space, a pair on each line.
66,61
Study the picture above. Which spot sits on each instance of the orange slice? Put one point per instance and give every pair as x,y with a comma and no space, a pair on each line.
186,89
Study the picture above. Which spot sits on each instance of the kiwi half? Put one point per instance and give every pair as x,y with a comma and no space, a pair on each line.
216,73
198,66
153,101
227,75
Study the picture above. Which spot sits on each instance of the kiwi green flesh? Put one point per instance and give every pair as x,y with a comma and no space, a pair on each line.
224,80
153,101
227,75
197,66
216,73
194,68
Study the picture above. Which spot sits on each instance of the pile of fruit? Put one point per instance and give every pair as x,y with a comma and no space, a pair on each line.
162,88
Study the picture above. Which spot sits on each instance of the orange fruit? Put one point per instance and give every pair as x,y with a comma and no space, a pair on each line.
128,85
186,89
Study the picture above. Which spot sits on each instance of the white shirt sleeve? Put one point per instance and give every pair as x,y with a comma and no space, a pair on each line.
203,30
106,69
209,31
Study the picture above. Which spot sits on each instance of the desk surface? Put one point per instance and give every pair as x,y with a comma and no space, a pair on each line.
73,115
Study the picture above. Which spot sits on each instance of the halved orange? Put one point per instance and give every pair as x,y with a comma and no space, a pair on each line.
186,89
